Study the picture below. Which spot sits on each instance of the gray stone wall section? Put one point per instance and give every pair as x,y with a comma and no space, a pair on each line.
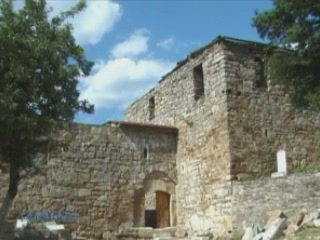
253,200
95,175
234,130
262,121
203,159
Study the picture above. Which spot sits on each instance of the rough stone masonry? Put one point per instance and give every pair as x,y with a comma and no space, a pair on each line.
178,158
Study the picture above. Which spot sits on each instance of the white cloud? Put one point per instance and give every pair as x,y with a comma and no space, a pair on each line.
97,19
122,80
134,46
90,25
166,44
117,82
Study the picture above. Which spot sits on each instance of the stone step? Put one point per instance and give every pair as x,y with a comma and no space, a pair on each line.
162,234
199,238
164,238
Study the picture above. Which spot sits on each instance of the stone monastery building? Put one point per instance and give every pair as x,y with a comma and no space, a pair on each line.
179,158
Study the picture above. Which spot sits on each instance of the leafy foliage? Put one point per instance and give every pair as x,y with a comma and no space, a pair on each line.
294,26
40,64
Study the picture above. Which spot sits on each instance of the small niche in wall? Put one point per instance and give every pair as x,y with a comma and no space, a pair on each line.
266,132
198,82
151,108
183,168
145,152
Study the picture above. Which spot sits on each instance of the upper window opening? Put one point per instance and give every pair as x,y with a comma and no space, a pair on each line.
260,80
151,108
198,82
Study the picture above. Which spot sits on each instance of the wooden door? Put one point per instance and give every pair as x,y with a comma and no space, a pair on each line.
163,209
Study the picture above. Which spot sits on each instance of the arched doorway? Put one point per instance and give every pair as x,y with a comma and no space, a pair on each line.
154,204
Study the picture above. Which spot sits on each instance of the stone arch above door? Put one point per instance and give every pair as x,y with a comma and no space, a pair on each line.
156,183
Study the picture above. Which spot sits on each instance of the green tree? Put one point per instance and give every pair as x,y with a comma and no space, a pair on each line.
294,26
40,64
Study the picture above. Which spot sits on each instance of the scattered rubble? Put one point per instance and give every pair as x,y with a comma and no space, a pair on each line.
279,224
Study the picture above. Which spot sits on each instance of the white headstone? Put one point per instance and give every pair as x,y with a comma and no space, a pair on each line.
281,164
282,161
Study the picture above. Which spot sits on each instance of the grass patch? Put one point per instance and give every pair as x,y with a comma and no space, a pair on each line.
234,236
311,168
256,177
304,234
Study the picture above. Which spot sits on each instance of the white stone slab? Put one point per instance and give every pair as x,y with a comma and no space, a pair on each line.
282,161
278,174
55,227
316,222
21,223
200,238
163,238
275,229
248,234
50,223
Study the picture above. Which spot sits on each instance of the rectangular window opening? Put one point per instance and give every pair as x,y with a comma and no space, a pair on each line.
198,82
146,152
260,79
151,108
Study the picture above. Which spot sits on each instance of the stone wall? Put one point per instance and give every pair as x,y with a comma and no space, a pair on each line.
231,123
233,129
203,159
95,174
261,119
253,200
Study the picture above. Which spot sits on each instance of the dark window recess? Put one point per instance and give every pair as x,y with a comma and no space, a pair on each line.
198,82
145,152
151,108
260,79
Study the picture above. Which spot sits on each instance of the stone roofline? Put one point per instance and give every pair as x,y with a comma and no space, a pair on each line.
213,42
142,126
202,49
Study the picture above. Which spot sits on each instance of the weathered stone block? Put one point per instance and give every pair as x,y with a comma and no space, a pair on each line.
60,192
84,220
84,192
99,223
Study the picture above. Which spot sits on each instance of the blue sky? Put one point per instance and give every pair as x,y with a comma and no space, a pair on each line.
135,42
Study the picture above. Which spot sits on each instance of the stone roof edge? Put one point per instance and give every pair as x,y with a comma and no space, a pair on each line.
136,126
200,50
203,48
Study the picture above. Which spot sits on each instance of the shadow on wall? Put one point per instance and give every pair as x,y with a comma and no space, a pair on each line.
154,204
